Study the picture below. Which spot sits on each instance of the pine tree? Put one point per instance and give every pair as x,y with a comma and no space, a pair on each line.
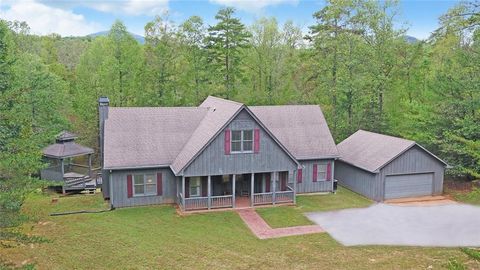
225,41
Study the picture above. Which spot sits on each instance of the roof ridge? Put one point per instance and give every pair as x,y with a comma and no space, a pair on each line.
159,107
386,135
285,105
223,100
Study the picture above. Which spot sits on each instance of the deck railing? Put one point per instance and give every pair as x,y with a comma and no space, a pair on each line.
263,198
285,196
221,201
196,203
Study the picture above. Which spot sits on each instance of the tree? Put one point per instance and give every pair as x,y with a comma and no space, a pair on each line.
334,32
126,64
193,33
225,41
163,61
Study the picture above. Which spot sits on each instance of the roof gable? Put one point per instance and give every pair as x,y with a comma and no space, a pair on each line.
372,151
219,112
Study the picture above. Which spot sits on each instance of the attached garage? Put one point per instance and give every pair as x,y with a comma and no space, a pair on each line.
383,167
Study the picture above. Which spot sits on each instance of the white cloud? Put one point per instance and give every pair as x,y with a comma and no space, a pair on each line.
130,7
44,19
253,5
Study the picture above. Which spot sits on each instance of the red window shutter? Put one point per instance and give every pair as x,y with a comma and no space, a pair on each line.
204,186
227,141
299,176
159,184
129,186
268,180
314,173
187,188
256,140
329,171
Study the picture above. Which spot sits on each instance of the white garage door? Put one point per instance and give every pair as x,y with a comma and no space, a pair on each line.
408,185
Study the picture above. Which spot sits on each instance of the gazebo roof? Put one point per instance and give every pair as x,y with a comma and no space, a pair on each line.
66,136
66,147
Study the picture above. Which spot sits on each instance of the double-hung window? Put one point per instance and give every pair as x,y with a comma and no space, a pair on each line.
242,141
144,184
194,186
322,172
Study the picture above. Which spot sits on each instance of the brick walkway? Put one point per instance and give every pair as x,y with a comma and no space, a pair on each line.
263,231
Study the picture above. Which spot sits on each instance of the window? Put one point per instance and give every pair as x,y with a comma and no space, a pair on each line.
322,172
144,184
242,141
194,186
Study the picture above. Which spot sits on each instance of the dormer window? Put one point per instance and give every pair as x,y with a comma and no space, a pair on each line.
242,141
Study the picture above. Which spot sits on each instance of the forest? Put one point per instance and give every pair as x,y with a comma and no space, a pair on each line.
355,62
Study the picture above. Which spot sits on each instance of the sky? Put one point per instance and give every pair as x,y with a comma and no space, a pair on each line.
83,17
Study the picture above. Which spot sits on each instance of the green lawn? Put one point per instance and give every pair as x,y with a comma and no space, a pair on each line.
286,216
472,197
156,237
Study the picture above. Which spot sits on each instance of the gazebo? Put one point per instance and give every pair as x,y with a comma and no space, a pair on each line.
60,157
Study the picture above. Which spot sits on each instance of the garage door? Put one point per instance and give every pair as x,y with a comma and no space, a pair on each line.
408,185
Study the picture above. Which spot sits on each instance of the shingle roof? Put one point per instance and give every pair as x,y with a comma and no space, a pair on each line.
148,137
66,149
302,129
372,151
152,137
66,136
218,114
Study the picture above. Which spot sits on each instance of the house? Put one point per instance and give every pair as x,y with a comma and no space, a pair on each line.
383,167
221,154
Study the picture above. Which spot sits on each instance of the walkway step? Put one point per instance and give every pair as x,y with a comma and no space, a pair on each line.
262,230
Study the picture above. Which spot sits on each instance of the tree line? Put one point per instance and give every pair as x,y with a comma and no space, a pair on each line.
354,62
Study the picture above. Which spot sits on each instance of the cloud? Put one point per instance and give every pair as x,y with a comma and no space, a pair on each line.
130,7
253,5
44,19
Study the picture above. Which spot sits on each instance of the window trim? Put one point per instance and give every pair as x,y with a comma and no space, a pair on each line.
144,194
324,171
242,140
199,187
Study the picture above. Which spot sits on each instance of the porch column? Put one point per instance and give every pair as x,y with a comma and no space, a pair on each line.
252,189
274,186
63,173
332,170
295,186
90,165
233,191
183,193
209,191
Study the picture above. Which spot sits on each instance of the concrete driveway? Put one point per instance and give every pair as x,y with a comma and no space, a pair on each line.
452,225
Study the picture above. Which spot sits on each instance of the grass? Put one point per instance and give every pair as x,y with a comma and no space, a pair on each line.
472,197
286,216
156,237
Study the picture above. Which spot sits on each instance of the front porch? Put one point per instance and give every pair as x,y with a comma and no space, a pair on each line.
235,191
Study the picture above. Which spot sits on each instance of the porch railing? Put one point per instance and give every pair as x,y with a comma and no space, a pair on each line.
284,196
221,201
263,198
195,203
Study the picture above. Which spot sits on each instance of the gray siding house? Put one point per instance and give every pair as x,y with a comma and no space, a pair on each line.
221,154
383,167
